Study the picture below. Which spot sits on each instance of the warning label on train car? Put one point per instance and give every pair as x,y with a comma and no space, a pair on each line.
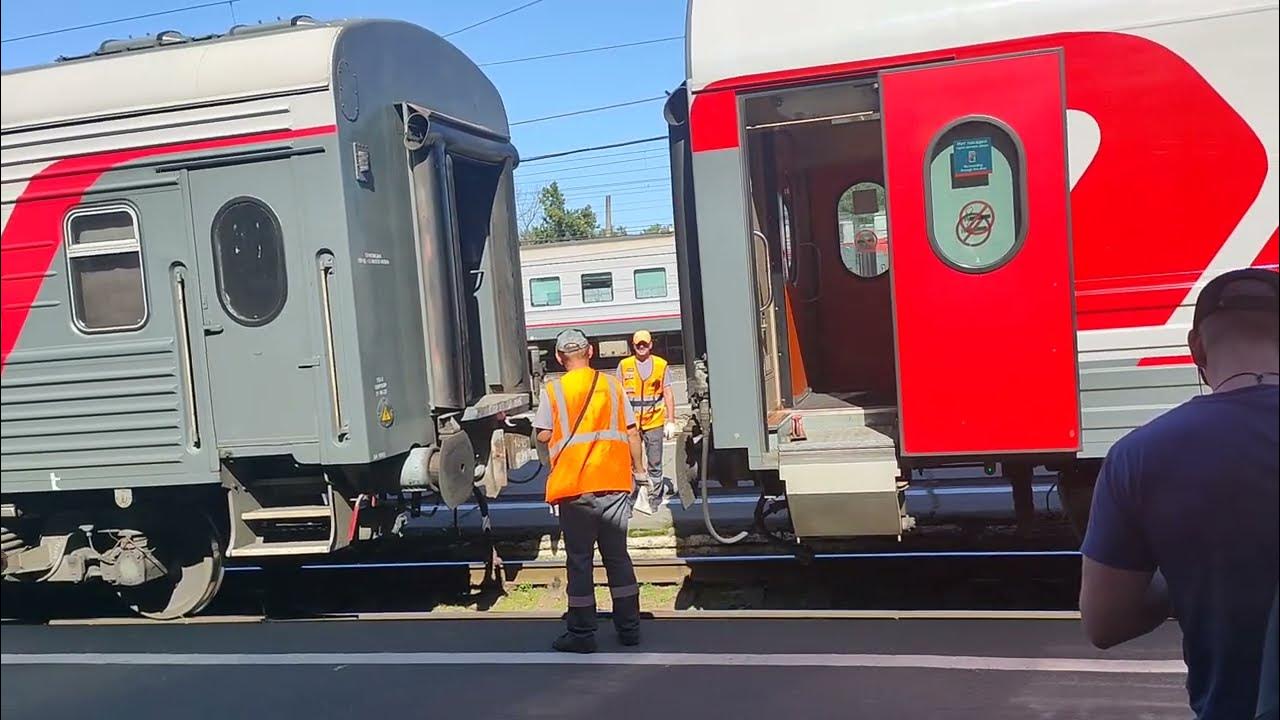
971,157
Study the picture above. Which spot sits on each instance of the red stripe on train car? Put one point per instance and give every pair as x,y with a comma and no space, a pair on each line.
1130,236
636,318
34,232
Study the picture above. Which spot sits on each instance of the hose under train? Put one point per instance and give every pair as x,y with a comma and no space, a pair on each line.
705,421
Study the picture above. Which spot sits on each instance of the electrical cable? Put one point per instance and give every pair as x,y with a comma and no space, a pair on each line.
585,111
582,51
143,16
488,20
593,148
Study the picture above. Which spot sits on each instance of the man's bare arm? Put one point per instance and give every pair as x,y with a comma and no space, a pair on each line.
1118,605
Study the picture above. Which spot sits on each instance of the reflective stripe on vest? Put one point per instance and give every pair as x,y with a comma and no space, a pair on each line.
645,394
613,432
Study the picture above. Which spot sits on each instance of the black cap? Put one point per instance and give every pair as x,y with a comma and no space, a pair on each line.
1214,297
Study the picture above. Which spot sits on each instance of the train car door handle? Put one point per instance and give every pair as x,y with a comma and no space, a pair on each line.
212,329
309,363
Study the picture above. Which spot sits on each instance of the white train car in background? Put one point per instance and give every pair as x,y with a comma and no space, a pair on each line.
608,288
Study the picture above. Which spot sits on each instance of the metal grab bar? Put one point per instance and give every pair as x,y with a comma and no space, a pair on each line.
764,242
335,402
184,351
817,272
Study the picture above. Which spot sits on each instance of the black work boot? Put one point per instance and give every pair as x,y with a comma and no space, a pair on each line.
626,619
581,635
569,642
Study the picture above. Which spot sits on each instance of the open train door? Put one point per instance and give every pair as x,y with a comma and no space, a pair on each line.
980,257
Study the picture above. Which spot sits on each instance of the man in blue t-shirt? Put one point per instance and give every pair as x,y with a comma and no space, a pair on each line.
1184,517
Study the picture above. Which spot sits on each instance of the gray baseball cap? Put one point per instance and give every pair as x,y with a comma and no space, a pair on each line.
572,340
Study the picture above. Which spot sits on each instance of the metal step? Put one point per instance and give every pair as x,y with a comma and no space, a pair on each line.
840,469
295,512
262,549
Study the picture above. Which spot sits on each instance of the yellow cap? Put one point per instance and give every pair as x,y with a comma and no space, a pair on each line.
641,336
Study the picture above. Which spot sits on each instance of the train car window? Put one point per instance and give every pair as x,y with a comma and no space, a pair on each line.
651,283
976,195
597,287
544,291
864,229
248,261
104,268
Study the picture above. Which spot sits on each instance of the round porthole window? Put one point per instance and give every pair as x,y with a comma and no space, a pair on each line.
976,195
248,261
864,230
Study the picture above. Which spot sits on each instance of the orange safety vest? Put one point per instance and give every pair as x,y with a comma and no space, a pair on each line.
645,393
597,458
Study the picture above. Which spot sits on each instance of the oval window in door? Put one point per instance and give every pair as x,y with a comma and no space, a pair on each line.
864,230
248,261
976,194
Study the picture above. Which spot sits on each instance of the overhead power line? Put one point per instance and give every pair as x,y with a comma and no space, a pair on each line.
560,171
200,6
488,20
569,163
585,111
583,51
593,148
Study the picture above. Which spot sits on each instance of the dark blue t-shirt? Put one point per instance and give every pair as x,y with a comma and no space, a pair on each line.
1194,493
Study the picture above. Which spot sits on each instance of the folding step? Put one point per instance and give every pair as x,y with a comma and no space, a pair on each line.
265,523
271,549
840,469
296,512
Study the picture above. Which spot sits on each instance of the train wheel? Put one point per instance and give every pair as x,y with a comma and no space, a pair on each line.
195,576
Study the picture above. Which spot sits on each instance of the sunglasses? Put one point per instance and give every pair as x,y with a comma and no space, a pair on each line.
642,344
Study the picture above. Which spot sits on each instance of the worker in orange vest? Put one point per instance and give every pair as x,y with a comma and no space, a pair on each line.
644,376
596,459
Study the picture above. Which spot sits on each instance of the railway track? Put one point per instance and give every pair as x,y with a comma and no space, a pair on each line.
873,585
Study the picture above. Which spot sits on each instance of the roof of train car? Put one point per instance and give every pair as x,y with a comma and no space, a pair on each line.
125,77
813,33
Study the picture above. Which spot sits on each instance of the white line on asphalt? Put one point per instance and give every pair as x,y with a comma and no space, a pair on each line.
940,662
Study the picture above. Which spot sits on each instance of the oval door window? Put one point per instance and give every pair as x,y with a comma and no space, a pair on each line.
976,193
248,261
864,230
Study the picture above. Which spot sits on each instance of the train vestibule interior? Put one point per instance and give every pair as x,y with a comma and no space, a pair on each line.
820,241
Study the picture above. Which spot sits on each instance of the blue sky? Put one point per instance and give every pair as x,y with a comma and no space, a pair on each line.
635,176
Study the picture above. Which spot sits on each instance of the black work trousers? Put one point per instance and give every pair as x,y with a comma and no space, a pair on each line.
600,519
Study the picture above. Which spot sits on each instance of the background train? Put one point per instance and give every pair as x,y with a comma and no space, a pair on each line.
608,288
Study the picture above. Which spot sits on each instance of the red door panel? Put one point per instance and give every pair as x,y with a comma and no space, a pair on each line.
980,257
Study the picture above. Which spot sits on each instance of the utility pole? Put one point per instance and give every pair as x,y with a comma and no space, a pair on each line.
608,215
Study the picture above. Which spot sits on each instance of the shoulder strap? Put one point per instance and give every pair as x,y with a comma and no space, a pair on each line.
595,378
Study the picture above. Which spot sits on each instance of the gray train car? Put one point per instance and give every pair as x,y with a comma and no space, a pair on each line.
258,288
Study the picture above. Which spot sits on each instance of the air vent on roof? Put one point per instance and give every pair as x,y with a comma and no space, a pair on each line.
168,37
295,21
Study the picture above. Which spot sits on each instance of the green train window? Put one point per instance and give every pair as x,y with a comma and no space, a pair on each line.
248,261
650,283
597,287
544,291
976,195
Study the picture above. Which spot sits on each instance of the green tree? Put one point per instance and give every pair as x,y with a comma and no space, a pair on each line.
558,221
657,229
